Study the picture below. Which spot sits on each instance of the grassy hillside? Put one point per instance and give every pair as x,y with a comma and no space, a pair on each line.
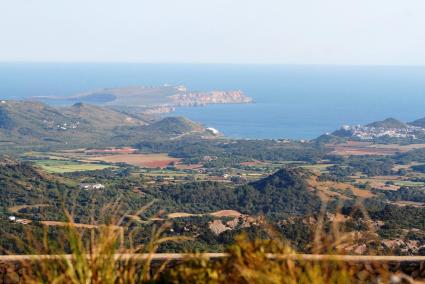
27,125
174,125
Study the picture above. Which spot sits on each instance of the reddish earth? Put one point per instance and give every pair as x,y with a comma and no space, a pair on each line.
368,148
140,160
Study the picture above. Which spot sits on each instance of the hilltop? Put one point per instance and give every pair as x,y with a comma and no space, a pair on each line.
389,123
418,123
32,123
284,192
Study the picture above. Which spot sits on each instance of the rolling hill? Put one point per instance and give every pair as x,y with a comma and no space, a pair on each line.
28,125
284,192
419,122
390,123
174,125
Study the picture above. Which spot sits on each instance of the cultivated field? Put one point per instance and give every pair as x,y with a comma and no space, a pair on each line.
140,160
125,150
328,190
64,166
368,148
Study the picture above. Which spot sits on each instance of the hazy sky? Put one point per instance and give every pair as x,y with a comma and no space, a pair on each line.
214,31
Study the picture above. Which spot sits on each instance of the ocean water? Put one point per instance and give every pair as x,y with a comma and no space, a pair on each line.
298,102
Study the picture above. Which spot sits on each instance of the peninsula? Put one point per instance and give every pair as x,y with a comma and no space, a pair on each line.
152,99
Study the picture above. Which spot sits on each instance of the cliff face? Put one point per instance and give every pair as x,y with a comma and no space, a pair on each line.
213,97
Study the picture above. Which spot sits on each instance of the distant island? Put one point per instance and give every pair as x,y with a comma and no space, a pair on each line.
152,100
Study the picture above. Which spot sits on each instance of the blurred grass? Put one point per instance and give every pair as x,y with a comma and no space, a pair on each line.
94,259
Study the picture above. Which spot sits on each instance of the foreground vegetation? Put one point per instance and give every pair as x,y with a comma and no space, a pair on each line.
269,259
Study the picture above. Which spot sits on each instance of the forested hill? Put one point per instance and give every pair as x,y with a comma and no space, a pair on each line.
285,192
21,183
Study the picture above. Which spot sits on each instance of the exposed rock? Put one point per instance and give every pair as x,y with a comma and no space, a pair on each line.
217,227
213,97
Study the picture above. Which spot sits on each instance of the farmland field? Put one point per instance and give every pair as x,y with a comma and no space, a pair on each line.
368,148
65,166
140,160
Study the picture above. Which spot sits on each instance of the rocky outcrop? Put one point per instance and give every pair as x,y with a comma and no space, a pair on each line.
213,97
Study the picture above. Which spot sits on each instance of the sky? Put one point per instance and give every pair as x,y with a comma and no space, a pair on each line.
372,32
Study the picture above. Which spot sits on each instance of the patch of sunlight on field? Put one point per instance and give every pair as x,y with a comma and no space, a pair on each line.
319,167
408,183
61,166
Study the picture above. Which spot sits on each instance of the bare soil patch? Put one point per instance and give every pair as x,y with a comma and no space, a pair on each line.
221,213
226,213
180,215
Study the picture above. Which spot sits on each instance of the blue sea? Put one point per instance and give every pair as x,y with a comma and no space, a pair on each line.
291,101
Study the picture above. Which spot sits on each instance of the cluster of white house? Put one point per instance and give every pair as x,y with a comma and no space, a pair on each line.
368,132
89,186
60,126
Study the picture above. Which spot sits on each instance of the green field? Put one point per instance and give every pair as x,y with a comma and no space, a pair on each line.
318,167
64,166
408,183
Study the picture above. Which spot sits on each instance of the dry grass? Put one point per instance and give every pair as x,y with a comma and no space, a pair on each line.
274,261
226,213
94,258
99,254
180,215
77,225
324,189
221,213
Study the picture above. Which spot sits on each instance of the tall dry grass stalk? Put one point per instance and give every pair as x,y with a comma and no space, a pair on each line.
94,259
274,261
100,254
